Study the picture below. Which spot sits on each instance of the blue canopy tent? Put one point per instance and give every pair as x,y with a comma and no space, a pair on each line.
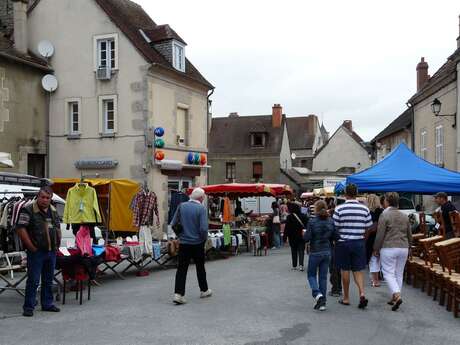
403,171
339,188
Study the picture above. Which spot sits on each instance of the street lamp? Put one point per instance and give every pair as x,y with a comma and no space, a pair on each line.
436,109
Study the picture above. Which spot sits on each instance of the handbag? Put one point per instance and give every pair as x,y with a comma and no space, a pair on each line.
178,228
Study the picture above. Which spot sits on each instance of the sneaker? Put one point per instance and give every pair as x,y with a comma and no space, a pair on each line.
52,309
322,303
205,294
335,294
294,269
322,308
301,269
179,299
319,301
28,313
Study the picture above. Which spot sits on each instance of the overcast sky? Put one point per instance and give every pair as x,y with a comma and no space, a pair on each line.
336,59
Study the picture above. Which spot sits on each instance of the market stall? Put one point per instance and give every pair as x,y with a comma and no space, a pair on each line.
236,228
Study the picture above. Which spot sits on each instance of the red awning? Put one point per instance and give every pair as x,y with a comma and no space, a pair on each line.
246,189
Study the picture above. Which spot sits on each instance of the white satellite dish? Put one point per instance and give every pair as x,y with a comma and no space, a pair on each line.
49,83
46,49
293,156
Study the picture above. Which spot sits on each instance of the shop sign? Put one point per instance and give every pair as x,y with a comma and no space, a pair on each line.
96,163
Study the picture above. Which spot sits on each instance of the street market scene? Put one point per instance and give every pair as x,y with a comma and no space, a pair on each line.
148,200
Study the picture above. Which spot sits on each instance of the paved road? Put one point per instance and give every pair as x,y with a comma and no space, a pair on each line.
257,301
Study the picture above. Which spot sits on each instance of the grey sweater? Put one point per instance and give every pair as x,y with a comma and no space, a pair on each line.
194,220
393,231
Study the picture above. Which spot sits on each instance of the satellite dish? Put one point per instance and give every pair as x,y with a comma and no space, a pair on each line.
293,156
49,83
46,49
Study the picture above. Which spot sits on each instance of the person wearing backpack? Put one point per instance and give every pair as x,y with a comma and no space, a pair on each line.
320,232
293,232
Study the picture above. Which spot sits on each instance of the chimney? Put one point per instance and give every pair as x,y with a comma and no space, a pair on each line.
20,25
277,115
348,124
233,115
458,38
422,74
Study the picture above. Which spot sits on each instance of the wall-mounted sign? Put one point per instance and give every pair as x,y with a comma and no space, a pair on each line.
96,163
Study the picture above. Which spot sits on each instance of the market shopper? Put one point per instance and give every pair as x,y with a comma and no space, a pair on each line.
193,217
39,230
293,232
352,219
446,207
320,233
392,243
373,203
276,225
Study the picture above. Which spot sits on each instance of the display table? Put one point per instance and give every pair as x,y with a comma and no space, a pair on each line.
9,266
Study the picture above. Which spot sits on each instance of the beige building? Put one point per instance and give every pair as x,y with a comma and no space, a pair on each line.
23,102
345,151
120,76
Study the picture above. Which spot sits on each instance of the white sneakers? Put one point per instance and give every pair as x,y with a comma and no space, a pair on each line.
179,299
301,269
205,294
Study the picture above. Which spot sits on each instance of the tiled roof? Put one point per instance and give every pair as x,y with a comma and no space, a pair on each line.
232,135
7,50
402,122
163,33
129,17
445,75
301,131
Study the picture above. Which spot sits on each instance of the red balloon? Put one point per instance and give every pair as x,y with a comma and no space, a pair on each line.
203,159
159,155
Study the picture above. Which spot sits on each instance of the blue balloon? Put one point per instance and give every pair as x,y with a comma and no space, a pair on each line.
190,157
159,131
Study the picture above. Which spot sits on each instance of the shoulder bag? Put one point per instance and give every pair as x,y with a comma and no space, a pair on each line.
178,228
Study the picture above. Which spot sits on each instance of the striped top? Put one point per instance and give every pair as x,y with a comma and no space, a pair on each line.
352,219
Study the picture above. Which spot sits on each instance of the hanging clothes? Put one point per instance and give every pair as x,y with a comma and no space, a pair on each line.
226,212
81,205
145,208
145,238
227,234
83,241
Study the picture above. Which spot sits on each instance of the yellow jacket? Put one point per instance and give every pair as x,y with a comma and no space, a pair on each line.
81,205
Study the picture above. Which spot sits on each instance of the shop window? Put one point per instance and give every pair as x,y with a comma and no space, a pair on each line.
257,170
230,171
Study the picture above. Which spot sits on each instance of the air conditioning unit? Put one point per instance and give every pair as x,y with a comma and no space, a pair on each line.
103,73
180,141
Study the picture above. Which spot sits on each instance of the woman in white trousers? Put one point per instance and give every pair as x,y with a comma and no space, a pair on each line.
392,245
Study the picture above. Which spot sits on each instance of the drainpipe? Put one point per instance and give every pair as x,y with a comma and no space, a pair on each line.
207,130
411,106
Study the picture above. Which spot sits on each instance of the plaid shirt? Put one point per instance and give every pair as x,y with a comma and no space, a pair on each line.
145,206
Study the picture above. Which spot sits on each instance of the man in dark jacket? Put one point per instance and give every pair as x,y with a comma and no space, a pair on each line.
446,208
39,230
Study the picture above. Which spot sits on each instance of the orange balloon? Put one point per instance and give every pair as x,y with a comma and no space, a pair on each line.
203,159
159,155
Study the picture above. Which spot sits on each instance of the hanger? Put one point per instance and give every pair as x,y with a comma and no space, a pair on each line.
82,182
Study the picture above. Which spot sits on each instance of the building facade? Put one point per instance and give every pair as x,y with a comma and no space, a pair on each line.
344,151
23,102
248,149
121,76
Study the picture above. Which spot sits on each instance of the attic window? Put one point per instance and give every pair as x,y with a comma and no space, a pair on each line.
258,139
179,56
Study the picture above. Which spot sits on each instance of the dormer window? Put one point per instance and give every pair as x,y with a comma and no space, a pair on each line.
178,56
258,139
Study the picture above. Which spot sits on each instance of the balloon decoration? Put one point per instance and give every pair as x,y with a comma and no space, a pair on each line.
196,158
190,158
159,143
203,159
159,155
159,131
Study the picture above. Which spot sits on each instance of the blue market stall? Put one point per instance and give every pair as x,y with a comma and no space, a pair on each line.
403,171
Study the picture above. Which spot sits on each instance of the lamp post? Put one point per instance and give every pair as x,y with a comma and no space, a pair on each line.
436,109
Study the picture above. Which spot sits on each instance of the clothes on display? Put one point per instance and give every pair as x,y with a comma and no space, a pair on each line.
81,205
83,241
145,208
145,238
227,234
227,212
9,213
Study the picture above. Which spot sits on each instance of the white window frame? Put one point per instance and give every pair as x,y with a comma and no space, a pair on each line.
185,108
96,44
103,130
69,118
423,148
178,61
439,145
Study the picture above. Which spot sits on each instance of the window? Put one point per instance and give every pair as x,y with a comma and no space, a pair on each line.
423,144
439,136
106,51
258,139
36,165
257,170
74,117
303,163
108,115
230,171
181,126
178,56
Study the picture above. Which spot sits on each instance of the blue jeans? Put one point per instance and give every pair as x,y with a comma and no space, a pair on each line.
277,238
318,265
39,264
